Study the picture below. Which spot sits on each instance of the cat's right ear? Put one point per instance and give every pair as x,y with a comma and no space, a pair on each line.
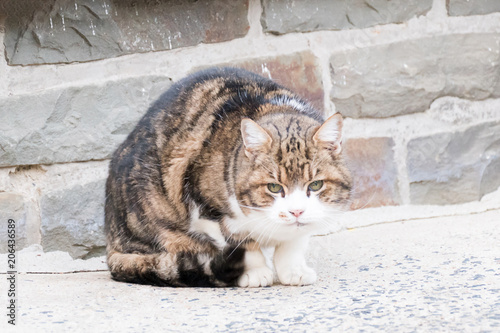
329,135
255,138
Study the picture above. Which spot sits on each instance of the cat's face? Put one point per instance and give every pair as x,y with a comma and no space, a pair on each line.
294,180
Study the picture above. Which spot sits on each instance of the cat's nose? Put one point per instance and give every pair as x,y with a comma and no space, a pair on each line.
296,212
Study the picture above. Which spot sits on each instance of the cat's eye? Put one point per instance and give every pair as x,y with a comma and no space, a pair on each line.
274,188
316,185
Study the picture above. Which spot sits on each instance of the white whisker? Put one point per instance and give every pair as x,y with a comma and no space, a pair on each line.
256,208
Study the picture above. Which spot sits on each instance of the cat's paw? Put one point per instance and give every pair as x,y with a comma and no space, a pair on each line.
256,277
297,276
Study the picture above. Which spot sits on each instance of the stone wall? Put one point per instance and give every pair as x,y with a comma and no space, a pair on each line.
417,80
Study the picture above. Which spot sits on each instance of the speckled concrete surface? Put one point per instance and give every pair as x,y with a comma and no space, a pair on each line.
440,274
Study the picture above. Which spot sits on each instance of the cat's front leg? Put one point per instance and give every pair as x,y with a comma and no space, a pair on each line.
256,273
290,263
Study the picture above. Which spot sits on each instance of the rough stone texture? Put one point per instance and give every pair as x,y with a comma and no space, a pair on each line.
284,16
299,72
374,173
405,77
64,31
455,167
74,124
458,112
12,206
73,220
472,7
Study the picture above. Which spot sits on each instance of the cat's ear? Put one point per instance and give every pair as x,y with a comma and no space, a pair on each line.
255,138
329,135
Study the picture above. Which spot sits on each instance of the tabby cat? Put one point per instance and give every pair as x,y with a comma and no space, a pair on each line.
224,164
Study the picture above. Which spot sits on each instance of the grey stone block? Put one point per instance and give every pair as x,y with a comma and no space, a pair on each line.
74,124
73,220
297,71
472,7
284,16
455,167
405,77
13,206
60,31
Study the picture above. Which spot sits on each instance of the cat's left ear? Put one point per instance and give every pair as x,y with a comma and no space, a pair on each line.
255,138
329,135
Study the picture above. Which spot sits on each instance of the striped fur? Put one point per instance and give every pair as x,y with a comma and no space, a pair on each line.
184,182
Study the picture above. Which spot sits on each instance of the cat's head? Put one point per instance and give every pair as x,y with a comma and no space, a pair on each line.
293,180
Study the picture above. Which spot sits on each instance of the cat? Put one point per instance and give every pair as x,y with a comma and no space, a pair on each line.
223,164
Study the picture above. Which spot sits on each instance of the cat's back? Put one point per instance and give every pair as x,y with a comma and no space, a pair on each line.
202,103
179,108
215,91
203,90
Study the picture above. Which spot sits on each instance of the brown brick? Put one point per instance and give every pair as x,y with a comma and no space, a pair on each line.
298,71
373,170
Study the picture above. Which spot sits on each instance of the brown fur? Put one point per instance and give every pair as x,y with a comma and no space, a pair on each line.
188,152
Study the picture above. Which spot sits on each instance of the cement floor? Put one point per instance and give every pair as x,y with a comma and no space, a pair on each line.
438,274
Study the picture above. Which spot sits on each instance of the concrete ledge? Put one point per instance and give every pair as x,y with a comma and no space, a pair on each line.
431,274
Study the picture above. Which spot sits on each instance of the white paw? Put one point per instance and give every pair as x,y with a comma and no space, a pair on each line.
256,277
297,276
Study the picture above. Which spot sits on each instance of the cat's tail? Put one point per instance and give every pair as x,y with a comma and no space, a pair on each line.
179,269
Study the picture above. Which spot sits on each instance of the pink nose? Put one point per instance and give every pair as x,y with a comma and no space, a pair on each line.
296,212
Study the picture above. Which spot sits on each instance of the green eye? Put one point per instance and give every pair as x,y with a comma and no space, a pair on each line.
316,185
274,188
